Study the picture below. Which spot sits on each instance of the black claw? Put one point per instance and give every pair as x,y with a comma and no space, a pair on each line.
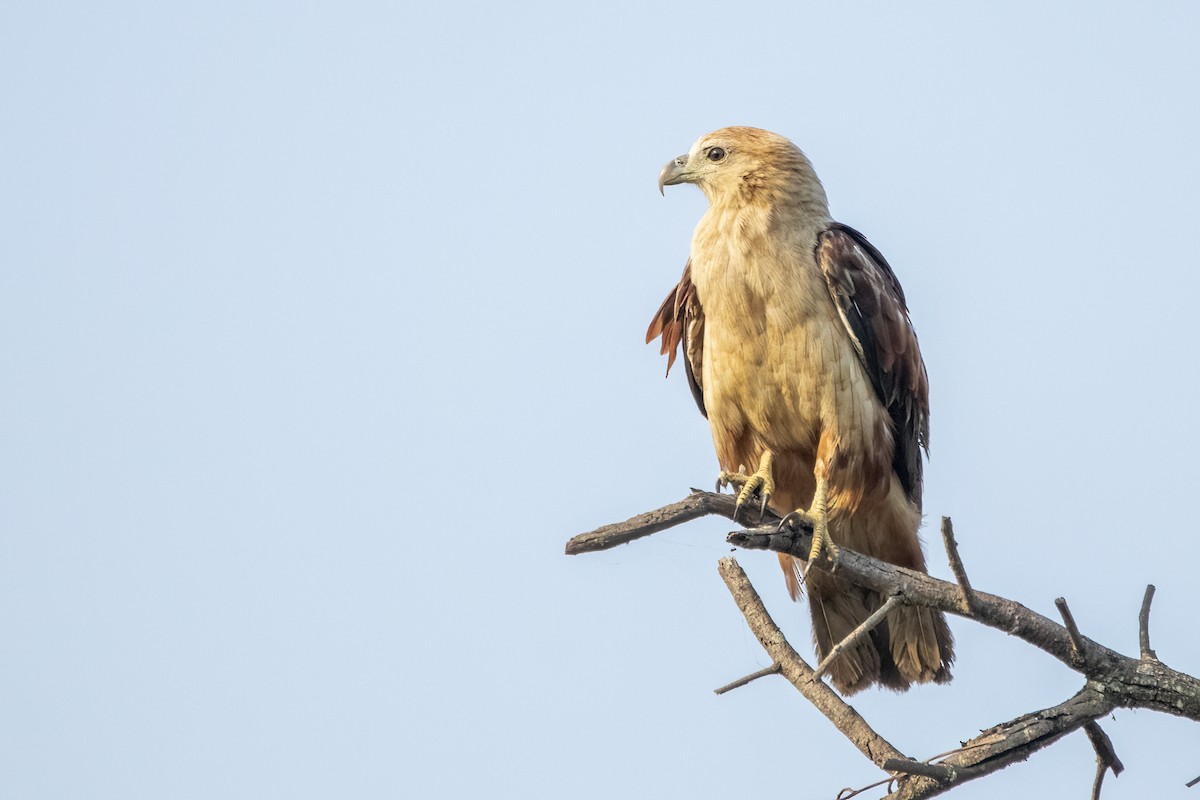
789,521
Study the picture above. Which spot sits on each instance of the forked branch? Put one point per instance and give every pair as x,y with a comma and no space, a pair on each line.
1112,680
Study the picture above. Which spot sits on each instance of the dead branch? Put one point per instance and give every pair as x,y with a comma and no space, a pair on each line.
797,670
695,505
956,564
1144,624
1129,682
774,669
1072,631
1106,756
1005,744
1112,680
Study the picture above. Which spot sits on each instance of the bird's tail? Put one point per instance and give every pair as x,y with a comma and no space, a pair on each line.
921,645
912,644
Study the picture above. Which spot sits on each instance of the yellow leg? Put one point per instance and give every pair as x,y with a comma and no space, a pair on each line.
816,517
761,483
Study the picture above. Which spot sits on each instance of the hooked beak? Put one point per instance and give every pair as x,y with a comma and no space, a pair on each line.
674,172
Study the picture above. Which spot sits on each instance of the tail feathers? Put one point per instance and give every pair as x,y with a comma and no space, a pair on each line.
833,618
921,644
913,645
792,573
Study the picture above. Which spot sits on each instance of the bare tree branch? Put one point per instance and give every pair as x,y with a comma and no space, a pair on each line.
697,504
1112,680
1129,682
797,670
998,747
938,772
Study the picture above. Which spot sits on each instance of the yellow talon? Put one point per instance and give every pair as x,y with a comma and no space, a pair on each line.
820,542
761,483
730,479
817,518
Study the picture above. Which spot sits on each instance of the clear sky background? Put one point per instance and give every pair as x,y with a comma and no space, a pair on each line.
321,331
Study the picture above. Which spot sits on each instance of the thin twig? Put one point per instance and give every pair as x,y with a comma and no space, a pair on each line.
855,635
848,792
956,565
1106,756
762,673
1192,782
1104,747
1098,781
1144,625
798,672
1077,645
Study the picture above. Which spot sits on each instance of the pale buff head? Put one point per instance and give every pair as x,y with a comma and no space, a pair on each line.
748,165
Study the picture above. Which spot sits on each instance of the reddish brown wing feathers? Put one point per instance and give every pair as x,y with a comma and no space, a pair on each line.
871,304
680,319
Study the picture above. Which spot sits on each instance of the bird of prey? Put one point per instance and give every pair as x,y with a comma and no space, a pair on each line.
799,350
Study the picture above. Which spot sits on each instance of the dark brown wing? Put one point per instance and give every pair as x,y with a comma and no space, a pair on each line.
680,319
871,304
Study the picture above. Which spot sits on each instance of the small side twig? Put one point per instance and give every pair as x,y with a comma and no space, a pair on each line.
956,565
1106,756
852,638
774,669
1144,625
1077,645
849,791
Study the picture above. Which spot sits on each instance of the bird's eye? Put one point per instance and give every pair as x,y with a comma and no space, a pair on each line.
716,154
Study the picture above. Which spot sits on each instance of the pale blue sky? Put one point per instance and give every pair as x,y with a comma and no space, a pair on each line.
322,331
